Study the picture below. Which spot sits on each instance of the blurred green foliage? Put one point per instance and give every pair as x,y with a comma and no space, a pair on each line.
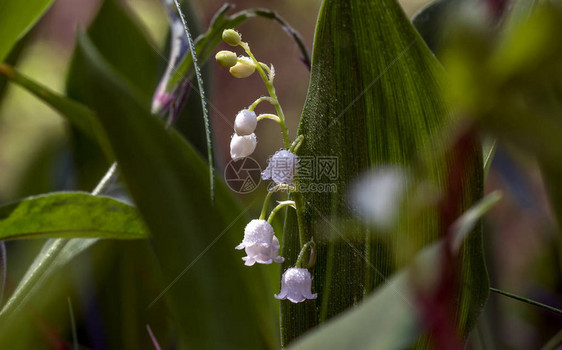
377,96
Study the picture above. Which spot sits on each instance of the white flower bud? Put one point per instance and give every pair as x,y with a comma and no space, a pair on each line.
242,146
226,58
296,285
260,244
245,122
243,69
231,37
281,168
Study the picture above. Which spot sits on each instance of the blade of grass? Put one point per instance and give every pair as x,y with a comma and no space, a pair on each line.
75,345
201,93
526,300
489,151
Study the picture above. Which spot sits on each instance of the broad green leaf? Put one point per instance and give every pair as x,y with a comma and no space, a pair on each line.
16,18
374,99
390,317
387,319
62,215
70,215
430,21
192,237
76,113
121,40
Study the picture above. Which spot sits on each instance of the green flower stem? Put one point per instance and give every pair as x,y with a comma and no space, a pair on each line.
299,205
268,197
302,253
296,144
298,199
279,207
264,66
272,93
259,100
269,116
265,203
526,300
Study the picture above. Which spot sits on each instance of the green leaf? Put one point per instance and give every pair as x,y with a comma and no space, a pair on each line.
70,215
390,317
75,113
121,40
17,17
430,21
374,99
387,319
192,237
12,59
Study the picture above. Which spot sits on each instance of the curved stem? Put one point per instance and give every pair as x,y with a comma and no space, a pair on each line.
269,116
272,93
268,71
279,207
296,144
265,203
259,100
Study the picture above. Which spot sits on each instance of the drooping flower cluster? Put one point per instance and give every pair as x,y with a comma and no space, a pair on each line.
259,242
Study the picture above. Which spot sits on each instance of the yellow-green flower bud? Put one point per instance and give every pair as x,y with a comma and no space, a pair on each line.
226,58
231,37
243,69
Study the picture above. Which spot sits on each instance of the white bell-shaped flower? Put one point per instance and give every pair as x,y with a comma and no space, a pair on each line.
242,146
296,285
260,244
245,122
282,167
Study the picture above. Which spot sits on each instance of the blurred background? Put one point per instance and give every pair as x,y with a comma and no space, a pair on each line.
522,248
